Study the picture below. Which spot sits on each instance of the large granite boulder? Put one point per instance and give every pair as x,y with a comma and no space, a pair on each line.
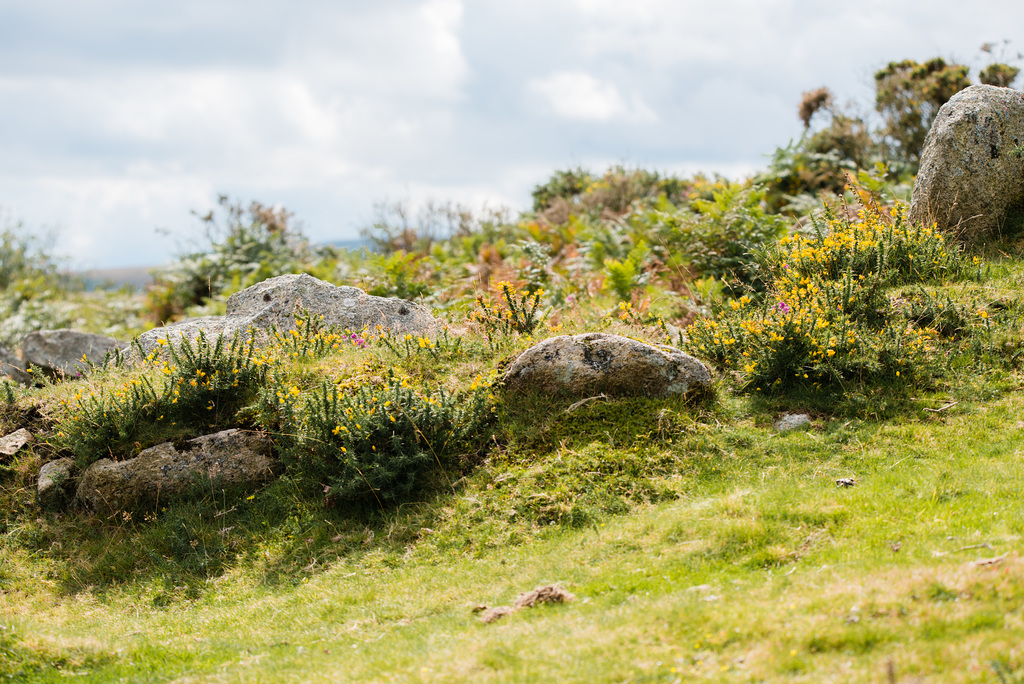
66,352
275,302
165,471
594,363
972,169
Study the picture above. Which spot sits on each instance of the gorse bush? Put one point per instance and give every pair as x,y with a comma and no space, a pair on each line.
382,443
512,311
443,346
310,340
108,424
208,382
202,384
880,244
826,318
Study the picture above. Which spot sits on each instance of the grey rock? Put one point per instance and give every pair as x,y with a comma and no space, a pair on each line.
275,302
162,472
12,443
55,486
13,367
972,166
792,421
210,326
593,363
61,351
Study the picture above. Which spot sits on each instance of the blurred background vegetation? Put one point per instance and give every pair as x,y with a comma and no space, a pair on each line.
665,245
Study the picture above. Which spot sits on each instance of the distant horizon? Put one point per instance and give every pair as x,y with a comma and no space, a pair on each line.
118,123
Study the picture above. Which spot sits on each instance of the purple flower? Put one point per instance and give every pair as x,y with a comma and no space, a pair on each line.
783,307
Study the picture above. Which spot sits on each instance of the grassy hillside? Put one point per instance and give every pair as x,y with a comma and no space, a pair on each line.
697,540
416,493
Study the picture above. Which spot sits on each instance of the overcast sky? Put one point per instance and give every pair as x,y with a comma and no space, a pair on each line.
117,117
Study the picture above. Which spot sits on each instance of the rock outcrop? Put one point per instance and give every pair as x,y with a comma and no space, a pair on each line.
55,486
13,367
792,421
62,351
971,177
12,443
165,471
594,363
274,303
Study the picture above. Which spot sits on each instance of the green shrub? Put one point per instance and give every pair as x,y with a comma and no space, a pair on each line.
202,385
626,276
566,185
513,311
718,236
383,443
826,318
401,274
908,95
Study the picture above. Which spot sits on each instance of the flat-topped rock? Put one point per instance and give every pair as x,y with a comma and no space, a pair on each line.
275,302
227,458
596,363
67,352
13,443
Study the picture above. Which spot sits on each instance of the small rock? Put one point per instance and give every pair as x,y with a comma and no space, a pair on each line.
12,443
62,351
55,486
972,166
792,421
231,457
275,302
13,367
552,593
593,363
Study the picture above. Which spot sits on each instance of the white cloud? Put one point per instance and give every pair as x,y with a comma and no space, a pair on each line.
579,96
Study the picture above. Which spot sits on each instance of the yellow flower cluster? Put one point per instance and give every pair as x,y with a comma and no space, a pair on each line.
825,316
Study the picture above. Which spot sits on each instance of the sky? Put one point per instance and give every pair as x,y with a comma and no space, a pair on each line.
118,117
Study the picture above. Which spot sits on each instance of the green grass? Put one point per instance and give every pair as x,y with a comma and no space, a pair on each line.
757,567
698,541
